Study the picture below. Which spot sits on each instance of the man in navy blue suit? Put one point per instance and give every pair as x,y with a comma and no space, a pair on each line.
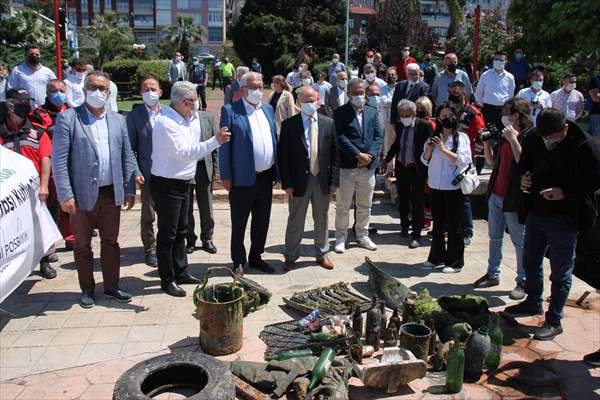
360,139
248,166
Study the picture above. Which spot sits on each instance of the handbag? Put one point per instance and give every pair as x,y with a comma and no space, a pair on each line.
467,179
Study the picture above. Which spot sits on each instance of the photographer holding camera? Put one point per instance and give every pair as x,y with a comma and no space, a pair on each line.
561,168
537,97
503,193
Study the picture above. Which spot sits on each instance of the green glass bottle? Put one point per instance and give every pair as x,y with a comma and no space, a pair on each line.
492,359
321,367
321,336
287,354
456,368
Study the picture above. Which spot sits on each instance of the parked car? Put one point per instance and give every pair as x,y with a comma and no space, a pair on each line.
205,56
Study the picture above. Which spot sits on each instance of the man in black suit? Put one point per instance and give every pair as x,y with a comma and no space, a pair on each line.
309,167
337,95
410,89
411,135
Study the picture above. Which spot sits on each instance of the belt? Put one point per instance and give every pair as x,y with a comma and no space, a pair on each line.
407,165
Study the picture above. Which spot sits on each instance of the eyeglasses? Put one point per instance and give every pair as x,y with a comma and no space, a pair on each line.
93,88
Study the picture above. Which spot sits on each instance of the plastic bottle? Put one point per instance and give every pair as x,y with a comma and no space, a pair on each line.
287,354
456,367
492,359
310,317
476,348
357,322
321,367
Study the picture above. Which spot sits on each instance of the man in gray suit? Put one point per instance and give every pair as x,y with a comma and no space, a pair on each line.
140,122
232,91
206,171
338,96
95,173
177,71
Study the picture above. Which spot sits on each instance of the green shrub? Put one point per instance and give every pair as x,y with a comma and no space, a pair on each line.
122,70
322,66
160,70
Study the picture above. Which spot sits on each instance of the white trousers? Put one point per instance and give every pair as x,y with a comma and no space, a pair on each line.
359,181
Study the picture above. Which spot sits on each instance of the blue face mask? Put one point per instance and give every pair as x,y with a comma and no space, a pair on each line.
537,85
309,108
374,101
58,98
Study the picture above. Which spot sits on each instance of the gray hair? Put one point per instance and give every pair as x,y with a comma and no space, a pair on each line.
52,82
354,83
182,90
95,73
405,104
368,66
241,70
248,75
412,67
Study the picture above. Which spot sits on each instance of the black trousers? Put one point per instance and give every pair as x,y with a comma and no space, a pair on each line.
201,90
255,200
447,212
227,80
171,201
411,187
217,78
203,188
492,115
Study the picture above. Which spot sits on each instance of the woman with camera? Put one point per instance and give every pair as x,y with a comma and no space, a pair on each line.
447,153
503,193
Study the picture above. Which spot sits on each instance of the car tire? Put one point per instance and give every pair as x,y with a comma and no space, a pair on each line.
198,376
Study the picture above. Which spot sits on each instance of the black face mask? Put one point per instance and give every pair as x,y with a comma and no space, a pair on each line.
428,59
33,59
421,114
22,110
452,67
448,122
391,80
455,98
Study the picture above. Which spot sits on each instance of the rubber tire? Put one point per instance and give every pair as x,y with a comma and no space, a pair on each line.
219,385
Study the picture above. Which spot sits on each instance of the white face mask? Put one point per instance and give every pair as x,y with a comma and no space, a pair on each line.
343,84
358,101
370,77
306,82
571,86
150,98
309,108
96,99
498,65
370,60
80,75
406,53
335,60
254,96
408,121
506,121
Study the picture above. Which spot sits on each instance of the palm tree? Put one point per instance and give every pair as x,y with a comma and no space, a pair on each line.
109,37
186,34
456,8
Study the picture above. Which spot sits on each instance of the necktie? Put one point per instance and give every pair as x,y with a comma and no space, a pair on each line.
409,89
404,141
314,147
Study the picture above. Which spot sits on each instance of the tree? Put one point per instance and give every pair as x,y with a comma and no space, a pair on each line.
564,30
275,32
108,38
182,37
456,8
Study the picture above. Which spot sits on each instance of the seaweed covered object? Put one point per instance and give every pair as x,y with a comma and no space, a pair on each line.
466,308
386,287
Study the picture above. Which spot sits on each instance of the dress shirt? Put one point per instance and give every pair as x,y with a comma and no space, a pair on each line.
342,97
359,116
407,140
441,171
75,93
34,81
333,70
541,96
323,88
262,141
99,128
570,103
495,88
306,122
152,114
385,107
378,81
180,146
439,90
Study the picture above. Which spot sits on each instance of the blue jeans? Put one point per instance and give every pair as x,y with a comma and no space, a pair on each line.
595,124
559,233
498,220
468,217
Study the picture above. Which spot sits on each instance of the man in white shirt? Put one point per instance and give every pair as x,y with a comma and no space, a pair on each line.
537,97
568,99
172,173
337,95
495,86
31,75
74,82
322,87
371,76
177,70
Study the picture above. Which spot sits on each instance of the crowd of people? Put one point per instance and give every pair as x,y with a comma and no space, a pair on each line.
318,138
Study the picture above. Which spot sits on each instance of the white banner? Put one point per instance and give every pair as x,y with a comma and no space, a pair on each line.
27,230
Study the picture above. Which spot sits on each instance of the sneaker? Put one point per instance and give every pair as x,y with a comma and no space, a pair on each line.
548,331
466,241
340,246
367,243
414,244
593,359
524,309
451,270
518,293
486,282
429,264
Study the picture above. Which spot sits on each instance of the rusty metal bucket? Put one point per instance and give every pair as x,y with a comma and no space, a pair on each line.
415,337
219,309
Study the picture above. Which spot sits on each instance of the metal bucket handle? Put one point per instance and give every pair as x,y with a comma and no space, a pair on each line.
200,289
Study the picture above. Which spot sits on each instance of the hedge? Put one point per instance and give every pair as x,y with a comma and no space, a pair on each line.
159,69
122,70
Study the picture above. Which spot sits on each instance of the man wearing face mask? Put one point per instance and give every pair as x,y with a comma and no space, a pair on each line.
411,135
94,171
232,91
402,61
334,68
140,123
560,165
74,82
177,70
371,78
429,69
410,89
568,99
380,67
360,139
495,87
338,95
387,94
451,73
248,168
199,76
31,75
173,169
519,67
18,134
369,58
309,167
537,97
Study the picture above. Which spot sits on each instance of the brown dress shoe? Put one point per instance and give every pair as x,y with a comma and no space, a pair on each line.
326,263
288,265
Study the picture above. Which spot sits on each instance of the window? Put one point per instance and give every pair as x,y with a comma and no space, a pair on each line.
366,3
122,5
163,4
163,17
363,26
215,18
351,23
185,4
197,19
195,4
124,19
144,21
215,34
84,19
84,4
139,4
215,4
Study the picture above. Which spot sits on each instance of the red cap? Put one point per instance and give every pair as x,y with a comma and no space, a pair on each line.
370,53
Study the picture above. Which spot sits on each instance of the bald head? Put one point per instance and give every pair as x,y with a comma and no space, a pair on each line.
307,94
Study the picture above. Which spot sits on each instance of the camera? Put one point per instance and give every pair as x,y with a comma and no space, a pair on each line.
491,133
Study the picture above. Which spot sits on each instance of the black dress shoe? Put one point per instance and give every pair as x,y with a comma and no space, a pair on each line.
548,331
209,247
119,295
173,289
524,309
187,279
486,282
87,298
192,248
261,265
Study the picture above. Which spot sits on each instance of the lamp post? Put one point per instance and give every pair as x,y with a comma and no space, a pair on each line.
347,31
57,40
